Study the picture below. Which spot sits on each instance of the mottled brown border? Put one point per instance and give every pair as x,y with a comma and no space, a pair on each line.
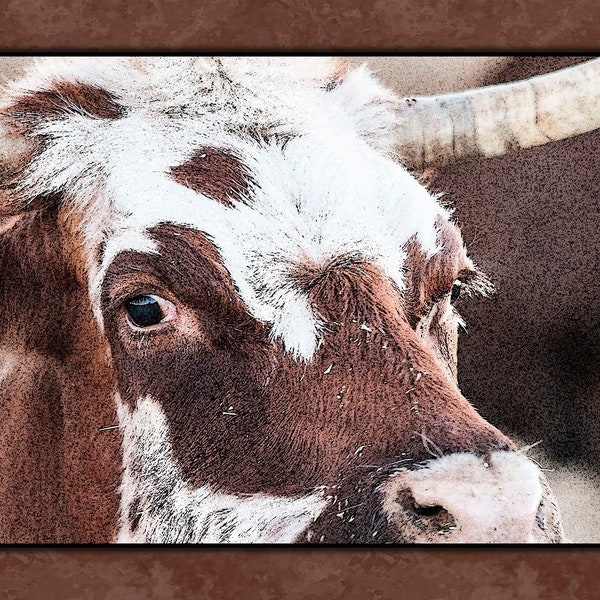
381,25
391,25
299,574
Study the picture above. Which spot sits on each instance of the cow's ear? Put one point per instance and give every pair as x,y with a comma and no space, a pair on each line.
371,106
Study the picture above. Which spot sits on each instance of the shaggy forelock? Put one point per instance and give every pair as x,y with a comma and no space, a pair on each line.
328,190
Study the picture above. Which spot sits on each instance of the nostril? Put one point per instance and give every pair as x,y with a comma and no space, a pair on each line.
428,511
427,517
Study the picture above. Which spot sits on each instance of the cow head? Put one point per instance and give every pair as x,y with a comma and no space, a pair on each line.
277,295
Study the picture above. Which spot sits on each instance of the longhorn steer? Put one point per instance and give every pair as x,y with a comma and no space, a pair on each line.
229,309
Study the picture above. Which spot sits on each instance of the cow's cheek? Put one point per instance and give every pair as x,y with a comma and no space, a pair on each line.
214,403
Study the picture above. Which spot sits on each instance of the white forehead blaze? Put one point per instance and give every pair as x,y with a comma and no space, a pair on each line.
330,191
322,196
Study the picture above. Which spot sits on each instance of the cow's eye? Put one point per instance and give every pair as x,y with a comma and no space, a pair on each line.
456,289
148,310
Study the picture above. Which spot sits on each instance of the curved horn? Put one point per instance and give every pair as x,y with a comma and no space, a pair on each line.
494,120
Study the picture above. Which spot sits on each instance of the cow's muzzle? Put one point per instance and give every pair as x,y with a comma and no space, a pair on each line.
499,497
465,498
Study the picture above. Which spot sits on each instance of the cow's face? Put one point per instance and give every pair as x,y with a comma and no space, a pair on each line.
279,306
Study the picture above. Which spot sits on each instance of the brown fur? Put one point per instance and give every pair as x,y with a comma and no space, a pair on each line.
60,475
215,173
63,98
12,167
19,120
295,426
429,284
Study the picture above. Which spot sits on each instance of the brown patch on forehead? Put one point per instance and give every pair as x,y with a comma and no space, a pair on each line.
64,98
214,172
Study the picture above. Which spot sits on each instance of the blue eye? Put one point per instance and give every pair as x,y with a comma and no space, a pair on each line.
148,310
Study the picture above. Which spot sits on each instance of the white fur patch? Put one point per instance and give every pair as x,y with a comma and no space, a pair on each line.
169,511
330,191
493,499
